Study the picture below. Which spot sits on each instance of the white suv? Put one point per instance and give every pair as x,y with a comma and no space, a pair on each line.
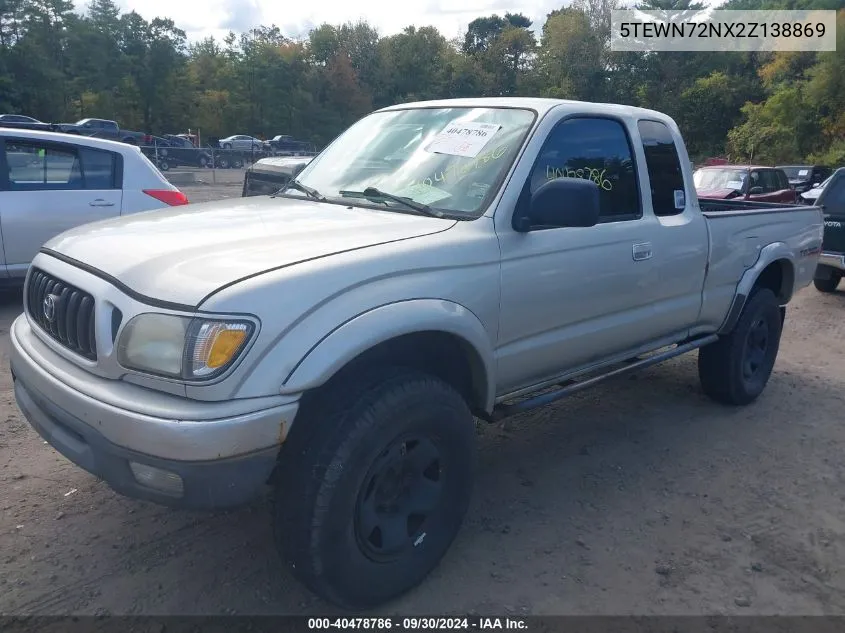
51,182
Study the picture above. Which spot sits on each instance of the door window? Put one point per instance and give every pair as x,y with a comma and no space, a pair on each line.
834,197
99,169
42,167
594,149
664,168
769,181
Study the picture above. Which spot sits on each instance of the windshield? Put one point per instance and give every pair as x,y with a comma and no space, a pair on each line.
719,179
797,173
452,159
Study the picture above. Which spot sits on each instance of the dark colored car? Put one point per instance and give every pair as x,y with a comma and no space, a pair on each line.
804,177
180,150
744,182
285,144
831,198
268,175
101,128
22,122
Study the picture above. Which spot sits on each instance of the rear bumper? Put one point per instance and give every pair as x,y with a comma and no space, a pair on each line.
828,261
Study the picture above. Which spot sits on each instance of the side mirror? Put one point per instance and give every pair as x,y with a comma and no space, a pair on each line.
755,190
562,202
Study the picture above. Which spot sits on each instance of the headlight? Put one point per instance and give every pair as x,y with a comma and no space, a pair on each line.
181,347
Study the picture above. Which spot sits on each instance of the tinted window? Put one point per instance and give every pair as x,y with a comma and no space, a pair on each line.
783,182
664,168
598,150
98,169
34,166
834,197
769,180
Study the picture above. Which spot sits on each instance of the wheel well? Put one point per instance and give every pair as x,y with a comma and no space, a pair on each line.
446,356
778,277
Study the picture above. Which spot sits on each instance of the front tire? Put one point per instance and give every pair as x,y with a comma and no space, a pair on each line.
373,493
829,284
735,369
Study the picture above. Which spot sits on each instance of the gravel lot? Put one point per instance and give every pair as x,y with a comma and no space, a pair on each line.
638,497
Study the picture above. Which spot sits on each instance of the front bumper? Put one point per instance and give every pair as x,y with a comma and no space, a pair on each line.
208,460
828,261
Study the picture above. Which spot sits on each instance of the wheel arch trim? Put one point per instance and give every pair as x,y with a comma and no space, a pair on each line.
379,325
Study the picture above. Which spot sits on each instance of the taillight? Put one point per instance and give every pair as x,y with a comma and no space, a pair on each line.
168,196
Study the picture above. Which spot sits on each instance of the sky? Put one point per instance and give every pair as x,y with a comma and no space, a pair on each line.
200,18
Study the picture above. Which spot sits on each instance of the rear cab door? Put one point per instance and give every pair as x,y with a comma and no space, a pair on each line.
575,296
49,188
784,193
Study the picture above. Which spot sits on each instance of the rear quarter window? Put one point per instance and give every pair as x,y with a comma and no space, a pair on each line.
666,179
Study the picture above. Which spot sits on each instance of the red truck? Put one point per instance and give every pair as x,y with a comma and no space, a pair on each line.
744,182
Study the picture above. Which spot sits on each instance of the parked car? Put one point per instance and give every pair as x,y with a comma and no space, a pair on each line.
268,175
241,142
830,196
744,182
284,144
21,122
51,182
437,262
101,128
804,177
172,151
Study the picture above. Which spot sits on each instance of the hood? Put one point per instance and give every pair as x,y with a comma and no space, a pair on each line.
718,194
181,254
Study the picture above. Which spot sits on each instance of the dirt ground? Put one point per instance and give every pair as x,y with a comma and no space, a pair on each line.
638,497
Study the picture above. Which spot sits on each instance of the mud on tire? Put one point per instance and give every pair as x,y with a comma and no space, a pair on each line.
735,369
372,491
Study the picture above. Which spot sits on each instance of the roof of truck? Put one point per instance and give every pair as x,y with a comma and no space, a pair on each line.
539,104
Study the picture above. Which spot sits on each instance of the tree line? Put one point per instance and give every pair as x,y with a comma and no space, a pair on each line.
58,65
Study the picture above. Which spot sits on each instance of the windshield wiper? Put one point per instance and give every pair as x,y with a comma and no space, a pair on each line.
372,192
308,191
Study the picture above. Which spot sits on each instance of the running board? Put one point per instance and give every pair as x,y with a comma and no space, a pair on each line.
568,387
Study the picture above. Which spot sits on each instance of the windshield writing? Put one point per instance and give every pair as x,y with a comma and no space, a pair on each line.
448,158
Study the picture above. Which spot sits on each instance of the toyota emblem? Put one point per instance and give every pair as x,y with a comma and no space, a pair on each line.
50,307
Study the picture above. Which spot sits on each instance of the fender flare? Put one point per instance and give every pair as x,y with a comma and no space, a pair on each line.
378,325
768,255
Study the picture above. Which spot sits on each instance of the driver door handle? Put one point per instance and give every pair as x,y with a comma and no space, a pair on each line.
641,251
99,202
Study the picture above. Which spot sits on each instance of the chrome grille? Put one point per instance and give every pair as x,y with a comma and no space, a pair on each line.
63,311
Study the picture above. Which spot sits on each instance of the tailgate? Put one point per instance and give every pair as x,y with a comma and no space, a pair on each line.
834,233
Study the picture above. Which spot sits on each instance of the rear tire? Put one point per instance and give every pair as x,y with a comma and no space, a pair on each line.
735,369
829,284
372,492
163,165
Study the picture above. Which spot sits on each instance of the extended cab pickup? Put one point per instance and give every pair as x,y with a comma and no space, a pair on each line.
438,262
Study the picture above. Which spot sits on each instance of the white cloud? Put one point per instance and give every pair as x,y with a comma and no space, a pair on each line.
200,18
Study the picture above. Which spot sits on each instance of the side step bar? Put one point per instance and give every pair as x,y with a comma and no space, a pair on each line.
569,387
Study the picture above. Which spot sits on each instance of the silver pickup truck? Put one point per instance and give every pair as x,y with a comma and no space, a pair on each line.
437,263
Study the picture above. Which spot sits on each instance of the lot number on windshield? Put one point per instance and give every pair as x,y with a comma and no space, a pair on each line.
463,139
